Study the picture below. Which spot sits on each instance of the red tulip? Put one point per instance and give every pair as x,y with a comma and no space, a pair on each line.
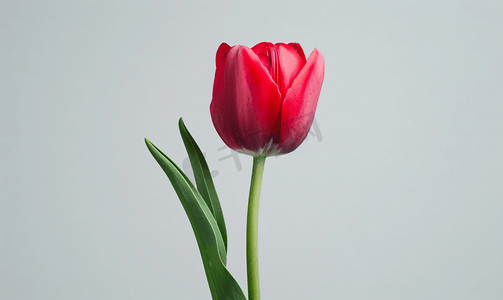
264,98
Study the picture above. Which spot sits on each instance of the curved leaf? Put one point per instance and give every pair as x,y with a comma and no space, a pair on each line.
209,238
203,178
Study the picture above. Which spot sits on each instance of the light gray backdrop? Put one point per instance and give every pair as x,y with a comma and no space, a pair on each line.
398,196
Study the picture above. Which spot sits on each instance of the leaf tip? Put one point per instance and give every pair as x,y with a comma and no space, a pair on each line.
180,122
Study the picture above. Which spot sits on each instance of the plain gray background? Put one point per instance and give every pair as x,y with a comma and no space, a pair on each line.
399,196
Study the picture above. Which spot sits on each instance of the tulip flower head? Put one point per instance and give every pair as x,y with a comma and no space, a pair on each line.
265,97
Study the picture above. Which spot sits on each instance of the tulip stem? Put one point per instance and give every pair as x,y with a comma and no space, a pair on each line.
252,229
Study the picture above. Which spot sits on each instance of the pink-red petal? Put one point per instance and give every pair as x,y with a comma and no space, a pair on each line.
299,50
300,103
263,51
246,102
283,62
224,47
289,64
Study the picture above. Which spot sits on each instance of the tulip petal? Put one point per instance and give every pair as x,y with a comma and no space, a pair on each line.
266,52
289,64
299,106
246,102
283,62
220,52
299,50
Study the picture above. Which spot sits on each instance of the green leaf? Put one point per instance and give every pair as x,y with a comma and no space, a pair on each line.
203,178
209,238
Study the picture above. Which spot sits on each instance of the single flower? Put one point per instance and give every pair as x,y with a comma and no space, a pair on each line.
264,98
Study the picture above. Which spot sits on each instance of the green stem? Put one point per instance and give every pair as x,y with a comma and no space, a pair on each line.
252,229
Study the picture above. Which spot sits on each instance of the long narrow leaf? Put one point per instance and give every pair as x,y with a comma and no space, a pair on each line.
203,178
209,239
